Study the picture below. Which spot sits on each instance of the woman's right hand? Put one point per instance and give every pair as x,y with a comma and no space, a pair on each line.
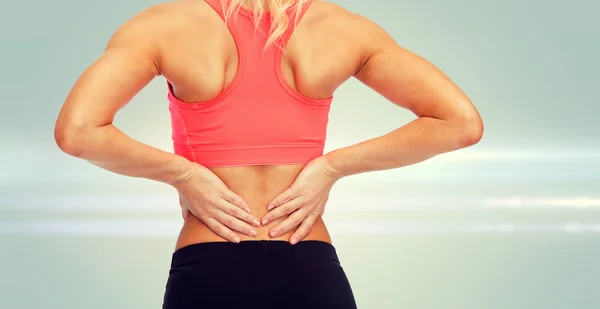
204,195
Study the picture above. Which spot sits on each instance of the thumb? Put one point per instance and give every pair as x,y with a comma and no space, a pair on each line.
185,213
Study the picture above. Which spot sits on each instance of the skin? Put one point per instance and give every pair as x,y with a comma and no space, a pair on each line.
187,43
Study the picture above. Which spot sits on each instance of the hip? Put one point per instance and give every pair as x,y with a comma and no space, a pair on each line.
261,274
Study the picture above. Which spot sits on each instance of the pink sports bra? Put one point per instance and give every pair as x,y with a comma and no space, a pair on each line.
258,119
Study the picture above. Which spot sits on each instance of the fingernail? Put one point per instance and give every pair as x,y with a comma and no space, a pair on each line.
274,233
269,207
265,221
253,233
256,222
294,241
236,239
248,210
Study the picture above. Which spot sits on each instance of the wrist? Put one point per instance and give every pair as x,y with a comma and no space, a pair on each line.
330,166
184,169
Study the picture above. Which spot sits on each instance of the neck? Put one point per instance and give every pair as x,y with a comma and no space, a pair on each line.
250,4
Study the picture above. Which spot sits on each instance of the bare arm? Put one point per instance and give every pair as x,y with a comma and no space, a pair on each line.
84,127
447,120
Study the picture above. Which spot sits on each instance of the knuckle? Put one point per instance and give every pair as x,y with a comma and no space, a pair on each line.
292,190
212,199
286,195
248,220
209,212
216,203
203,214
233,200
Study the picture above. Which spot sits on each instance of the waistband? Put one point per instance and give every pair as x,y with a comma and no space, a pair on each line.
305,248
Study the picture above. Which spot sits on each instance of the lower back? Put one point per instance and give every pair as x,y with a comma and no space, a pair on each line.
257,186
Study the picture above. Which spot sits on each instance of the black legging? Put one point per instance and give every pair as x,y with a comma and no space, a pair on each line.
258,274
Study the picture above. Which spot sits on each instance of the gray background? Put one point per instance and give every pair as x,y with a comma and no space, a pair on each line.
512,222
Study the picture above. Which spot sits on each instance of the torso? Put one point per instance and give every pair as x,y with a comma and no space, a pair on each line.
257,185
199,58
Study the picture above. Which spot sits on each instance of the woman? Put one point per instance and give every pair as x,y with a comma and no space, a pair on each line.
250,85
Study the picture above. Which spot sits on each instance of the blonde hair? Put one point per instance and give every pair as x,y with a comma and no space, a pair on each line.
278,15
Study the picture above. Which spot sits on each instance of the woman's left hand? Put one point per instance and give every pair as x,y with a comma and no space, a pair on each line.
304,201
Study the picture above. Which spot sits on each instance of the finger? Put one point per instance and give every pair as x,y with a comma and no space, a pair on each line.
184,209
236,200
234,223
283,197
221,229
185,213
304,228
282,210
236,212
288,224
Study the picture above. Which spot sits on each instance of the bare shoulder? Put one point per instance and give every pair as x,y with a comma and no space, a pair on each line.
335,16
159,22
362,34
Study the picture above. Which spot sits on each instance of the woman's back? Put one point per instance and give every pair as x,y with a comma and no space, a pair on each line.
199,58
199,54
257,185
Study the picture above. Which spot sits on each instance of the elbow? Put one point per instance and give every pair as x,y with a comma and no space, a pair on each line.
469,130
69,138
